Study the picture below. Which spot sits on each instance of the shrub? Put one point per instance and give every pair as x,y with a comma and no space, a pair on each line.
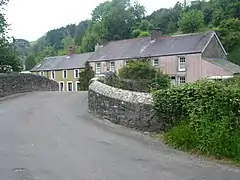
204,116
140,75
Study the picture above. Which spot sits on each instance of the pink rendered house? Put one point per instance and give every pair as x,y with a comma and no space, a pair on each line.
185,58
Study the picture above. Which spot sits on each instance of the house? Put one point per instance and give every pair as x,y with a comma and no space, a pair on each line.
185,58
63,69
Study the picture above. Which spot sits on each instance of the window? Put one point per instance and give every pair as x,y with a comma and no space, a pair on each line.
52,74
42,73
98,68
181,64
181,80
70,86
155,62
61,86
64,74
112,66
76,73
77,86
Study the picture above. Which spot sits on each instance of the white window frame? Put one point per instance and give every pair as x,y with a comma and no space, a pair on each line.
98,69
60,86
180,80
153,61
53,72
114,67
76,85
72,86
63,74
76,75
180,58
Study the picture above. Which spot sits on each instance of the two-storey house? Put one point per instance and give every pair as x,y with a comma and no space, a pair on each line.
63,69
185,58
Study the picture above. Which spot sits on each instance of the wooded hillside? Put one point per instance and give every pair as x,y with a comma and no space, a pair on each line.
121,19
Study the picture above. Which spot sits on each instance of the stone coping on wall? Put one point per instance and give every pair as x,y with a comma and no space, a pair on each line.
120,94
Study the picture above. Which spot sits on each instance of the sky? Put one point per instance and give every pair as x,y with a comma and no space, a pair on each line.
31,19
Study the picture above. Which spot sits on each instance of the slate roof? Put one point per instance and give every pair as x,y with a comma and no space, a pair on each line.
225,64
62,62
144,47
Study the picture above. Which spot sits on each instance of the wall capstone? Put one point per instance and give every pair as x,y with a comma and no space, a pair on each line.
131,109
11,84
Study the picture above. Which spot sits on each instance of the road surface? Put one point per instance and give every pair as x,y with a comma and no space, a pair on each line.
51,136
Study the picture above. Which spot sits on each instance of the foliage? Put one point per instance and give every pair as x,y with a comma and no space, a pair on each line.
9,59
120,19
85,76
203,116
140,75
191,21
30,62
144,34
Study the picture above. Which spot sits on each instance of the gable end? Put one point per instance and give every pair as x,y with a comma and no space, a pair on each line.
214,49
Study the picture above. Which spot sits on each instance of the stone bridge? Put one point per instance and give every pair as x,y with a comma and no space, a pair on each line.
51,136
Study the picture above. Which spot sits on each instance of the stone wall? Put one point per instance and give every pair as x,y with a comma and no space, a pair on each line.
20,83
131,109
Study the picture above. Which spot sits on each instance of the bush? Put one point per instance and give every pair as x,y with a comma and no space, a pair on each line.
140,75
204,116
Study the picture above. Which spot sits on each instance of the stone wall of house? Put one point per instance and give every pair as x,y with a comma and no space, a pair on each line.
131,109
20,83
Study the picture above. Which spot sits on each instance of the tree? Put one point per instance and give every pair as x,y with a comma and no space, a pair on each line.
230,33
191,21
9,60
30,62
85,76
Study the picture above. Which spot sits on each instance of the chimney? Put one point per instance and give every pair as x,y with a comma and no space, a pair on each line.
71,50
97,46
155,33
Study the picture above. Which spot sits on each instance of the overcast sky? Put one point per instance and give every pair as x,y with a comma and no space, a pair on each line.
30,19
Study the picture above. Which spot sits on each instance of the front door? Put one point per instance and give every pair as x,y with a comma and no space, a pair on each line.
70,86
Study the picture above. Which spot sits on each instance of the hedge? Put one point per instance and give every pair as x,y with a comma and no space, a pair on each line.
203,116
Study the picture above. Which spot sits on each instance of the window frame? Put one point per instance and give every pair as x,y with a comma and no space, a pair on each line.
76,87
76,75
110,66
153,62
98,68
179,80
60,86
69,82
53,73
180,69
63,74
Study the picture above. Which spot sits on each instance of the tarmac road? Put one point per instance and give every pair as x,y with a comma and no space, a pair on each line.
51,136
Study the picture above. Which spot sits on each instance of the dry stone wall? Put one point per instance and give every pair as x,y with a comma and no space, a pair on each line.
131,109
11,84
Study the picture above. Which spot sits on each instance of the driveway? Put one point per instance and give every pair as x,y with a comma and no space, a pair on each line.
51,136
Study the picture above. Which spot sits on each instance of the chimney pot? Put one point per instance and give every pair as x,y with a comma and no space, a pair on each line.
71,50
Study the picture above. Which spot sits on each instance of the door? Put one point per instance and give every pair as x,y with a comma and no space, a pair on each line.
61,86
70,86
